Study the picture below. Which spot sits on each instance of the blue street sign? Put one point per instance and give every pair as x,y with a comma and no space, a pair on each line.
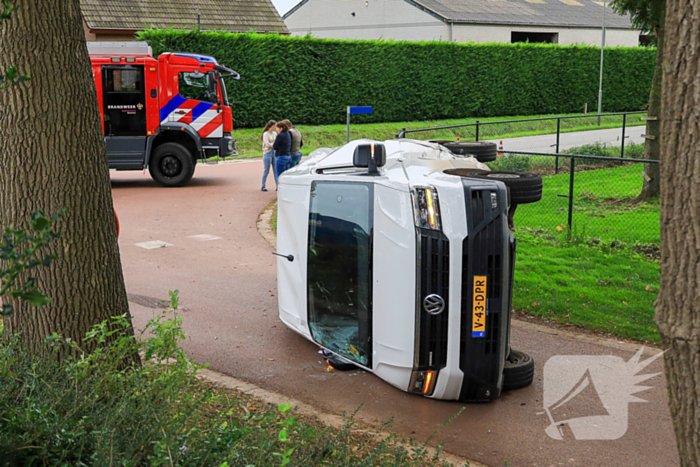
360,110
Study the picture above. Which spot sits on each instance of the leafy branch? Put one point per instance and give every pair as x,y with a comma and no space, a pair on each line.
18,252
11,76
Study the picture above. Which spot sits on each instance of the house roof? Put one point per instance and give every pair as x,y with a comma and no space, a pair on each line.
570,13
567,13
225,15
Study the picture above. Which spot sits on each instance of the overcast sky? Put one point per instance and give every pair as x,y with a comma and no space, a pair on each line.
284,6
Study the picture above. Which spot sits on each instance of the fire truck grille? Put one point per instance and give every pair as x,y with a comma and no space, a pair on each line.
434,270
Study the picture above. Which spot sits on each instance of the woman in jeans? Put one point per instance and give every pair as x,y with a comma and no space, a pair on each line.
268,138
283,143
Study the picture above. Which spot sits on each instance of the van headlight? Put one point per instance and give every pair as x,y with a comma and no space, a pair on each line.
426,207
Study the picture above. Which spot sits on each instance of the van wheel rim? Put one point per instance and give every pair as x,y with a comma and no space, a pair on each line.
170,166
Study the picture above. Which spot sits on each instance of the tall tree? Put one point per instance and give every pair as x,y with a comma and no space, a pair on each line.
52,156
648,16
678,303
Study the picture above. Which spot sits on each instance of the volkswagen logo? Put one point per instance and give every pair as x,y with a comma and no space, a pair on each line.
434,304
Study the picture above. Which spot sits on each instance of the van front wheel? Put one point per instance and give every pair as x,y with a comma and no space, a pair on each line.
171,165
519,370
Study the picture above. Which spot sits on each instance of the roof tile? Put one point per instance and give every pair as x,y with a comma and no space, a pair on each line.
225,15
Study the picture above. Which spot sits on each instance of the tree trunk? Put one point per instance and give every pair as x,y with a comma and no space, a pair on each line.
52,156
678,303
652,146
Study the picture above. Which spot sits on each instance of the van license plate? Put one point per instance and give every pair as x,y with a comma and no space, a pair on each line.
479,312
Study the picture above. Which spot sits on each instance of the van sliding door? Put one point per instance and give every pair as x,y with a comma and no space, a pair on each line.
339,269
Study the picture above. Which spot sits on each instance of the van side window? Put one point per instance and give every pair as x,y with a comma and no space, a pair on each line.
339,274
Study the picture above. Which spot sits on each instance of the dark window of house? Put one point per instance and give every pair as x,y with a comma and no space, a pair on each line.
339,268
546,37
647,40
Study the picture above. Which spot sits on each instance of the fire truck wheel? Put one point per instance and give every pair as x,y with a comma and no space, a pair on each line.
483,151
171,165
523,187
518,371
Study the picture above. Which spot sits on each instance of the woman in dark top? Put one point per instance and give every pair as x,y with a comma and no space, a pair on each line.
283,143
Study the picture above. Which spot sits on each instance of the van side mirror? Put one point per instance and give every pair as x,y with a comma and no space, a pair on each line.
370,156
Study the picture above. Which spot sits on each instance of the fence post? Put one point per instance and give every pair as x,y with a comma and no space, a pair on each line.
571,192
622,146
556,159
477,130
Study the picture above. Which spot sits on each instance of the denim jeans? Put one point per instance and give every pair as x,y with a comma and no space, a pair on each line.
269,160
296,158
283,163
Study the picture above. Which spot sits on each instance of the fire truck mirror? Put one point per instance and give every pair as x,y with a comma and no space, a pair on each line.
189,77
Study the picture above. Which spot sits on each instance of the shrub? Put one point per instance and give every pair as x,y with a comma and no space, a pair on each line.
312,81
89,410
511,163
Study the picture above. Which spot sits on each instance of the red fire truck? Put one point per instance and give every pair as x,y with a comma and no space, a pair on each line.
162,114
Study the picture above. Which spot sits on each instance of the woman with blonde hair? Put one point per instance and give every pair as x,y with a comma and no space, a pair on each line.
268,139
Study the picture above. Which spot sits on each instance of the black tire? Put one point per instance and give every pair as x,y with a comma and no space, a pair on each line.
484,151
519,370
524,188
337,362
171,165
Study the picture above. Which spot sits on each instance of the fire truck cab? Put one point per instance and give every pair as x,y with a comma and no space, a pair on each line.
163,114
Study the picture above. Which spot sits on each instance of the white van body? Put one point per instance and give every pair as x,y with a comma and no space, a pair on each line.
327,201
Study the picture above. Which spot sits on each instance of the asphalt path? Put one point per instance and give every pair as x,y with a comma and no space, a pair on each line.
228,302
547,143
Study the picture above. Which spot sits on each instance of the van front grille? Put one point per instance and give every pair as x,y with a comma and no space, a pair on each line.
434,276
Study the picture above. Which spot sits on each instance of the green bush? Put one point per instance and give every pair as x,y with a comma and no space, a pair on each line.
511,163
90,410
312,81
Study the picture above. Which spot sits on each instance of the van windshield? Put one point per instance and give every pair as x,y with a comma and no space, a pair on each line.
339,268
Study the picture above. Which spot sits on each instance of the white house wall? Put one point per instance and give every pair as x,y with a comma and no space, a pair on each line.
566,36
374,19
400,20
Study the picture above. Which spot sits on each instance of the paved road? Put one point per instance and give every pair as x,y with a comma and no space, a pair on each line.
547,143
229,307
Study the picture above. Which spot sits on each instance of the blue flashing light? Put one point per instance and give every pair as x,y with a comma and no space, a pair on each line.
200,58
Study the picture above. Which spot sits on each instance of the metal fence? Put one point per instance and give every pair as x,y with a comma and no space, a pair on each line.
591,179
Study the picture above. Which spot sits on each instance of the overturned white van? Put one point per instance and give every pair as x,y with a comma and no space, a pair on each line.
398,257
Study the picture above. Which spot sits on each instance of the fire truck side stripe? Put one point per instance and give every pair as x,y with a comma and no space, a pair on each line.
204,119
172,104
210,129
200,109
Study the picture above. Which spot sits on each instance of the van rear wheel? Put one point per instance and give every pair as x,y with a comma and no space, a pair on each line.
523,187
483,151
171,165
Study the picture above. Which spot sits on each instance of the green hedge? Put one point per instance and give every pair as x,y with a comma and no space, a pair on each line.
312,81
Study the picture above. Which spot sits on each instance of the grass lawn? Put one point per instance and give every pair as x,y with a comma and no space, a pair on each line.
602,206
607,290
248,139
